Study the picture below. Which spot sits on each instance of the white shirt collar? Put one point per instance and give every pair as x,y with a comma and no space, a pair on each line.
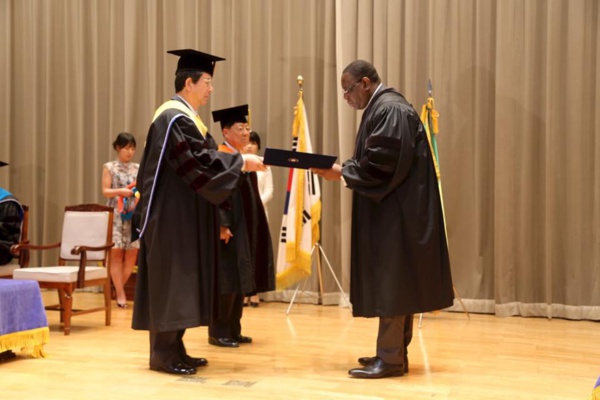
187,104
374,93
230,146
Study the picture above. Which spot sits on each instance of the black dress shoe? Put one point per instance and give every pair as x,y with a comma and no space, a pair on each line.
195,362
253,304
377,369
223,342
366,361
242,339
7,355
176,368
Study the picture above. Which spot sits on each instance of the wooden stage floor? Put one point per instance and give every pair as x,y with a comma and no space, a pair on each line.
307,354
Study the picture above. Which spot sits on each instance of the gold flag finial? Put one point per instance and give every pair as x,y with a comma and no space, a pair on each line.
300,80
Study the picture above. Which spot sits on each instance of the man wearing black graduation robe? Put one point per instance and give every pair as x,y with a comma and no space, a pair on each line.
11,219
399,261
182,180
246,249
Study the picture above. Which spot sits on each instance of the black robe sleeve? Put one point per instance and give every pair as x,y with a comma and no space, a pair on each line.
10,229
225,216
212,174
387,156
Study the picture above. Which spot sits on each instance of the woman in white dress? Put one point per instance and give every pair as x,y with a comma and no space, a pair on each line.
265,188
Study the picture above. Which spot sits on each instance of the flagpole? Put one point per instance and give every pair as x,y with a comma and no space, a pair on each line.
316,244
300,81
432,130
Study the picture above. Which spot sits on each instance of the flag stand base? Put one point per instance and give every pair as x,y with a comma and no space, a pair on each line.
320,253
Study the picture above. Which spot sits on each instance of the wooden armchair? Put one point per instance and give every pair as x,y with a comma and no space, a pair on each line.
6,271
86,236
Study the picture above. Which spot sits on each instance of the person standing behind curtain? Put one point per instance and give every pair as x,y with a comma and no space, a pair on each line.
399,259
118,182
265,189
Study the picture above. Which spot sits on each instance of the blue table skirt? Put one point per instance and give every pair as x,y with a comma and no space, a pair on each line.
23,322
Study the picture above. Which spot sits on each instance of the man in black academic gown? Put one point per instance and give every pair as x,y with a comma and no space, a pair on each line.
246,250
11,220
182,179
399,260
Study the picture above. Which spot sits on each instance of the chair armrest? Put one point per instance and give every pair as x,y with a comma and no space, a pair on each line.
21,250
16,248
22,254
82,251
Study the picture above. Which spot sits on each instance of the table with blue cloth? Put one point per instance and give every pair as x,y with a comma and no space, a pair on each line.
23,322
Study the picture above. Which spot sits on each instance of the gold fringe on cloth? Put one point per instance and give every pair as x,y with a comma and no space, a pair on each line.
299,267
596,392
30,342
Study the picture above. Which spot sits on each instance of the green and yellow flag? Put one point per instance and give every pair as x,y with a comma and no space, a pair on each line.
429,117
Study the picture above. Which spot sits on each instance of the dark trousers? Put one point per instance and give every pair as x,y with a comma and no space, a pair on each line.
393,338
166,348
228,321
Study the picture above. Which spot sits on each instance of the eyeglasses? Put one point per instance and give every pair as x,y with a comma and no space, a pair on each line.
242,128
351,88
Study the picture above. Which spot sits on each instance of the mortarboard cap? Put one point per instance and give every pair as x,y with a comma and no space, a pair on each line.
192,60
297,159
229,116
2,163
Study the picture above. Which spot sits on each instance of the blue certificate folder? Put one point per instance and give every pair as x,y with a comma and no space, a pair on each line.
297,159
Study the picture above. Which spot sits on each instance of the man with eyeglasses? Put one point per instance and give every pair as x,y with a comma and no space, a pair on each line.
246,249
399,257
182,179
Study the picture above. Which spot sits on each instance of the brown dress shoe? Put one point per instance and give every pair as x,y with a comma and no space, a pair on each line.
377,369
